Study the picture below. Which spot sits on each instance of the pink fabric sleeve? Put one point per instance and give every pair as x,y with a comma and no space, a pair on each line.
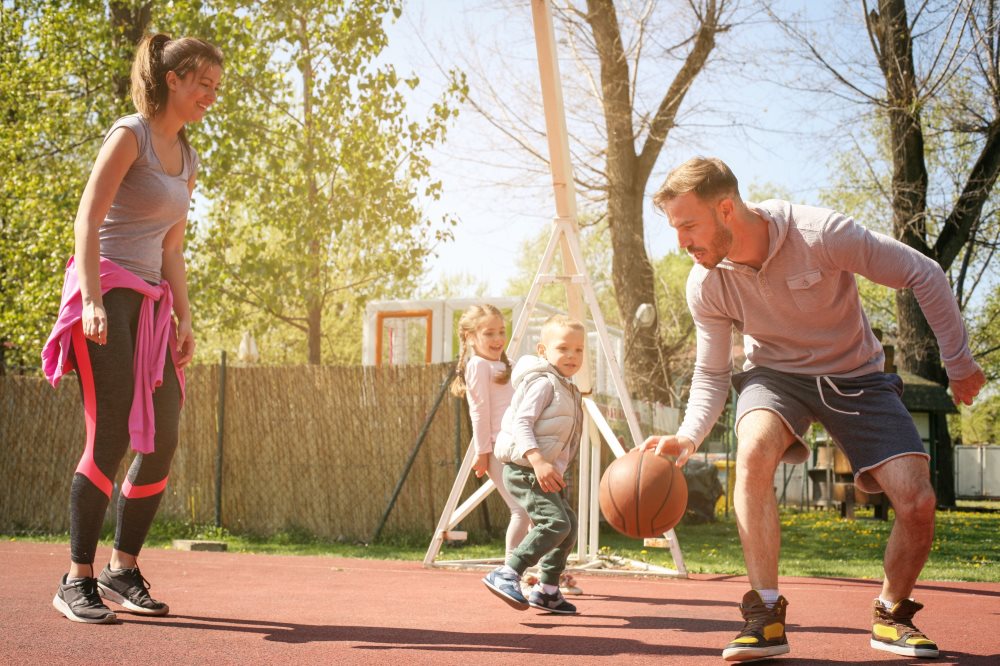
478,376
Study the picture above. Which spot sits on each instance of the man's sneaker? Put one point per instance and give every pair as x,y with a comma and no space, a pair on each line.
763,634
78,600
128,588
551,603
893,630
507,587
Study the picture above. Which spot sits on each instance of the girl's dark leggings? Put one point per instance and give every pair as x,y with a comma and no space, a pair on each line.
106,383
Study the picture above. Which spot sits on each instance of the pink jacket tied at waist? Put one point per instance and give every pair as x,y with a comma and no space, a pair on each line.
155,334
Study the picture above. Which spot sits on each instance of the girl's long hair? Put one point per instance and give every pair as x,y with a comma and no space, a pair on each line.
468,324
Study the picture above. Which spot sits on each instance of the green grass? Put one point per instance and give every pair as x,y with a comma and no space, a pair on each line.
821,543
818,543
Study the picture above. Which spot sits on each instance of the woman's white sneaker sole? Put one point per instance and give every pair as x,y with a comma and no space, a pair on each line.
64,608
111,595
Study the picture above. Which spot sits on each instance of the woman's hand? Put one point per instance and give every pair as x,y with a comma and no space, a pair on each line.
95,322
185,343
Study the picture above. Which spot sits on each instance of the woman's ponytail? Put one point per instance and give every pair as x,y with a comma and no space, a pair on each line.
149,86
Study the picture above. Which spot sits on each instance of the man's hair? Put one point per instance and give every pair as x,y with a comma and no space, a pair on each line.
561,321
708,177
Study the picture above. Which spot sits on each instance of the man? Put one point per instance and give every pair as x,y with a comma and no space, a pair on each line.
783,275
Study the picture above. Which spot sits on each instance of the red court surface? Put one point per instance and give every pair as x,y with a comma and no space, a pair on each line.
230,608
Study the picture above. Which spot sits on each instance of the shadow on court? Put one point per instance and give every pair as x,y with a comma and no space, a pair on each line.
229,608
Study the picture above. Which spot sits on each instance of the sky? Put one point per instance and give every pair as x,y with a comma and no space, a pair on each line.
737,111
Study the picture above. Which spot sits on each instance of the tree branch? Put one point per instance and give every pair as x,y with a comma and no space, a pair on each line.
666,114
969,206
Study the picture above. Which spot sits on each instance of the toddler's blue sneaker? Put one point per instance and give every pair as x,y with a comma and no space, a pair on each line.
507,587
551,603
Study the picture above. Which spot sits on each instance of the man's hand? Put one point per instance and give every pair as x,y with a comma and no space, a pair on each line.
670,445
963,391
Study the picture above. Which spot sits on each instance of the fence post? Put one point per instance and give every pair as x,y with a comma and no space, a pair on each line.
411,459
219,437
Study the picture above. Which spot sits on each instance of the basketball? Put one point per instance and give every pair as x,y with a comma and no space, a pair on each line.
643,494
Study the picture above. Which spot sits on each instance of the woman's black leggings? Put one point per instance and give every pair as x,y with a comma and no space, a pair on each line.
106,382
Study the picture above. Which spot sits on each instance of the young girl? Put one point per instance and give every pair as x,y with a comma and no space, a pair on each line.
123,285
483,376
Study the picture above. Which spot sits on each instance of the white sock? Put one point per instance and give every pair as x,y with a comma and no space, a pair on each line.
769,597
509,571
888,604
548,589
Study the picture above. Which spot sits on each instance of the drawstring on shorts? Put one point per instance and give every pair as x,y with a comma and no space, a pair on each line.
819,388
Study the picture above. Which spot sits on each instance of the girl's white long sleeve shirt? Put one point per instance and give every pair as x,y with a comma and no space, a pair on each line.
487,400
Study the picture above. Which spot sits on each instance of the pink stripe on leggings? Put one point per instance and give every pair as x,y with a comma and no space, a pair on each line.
87,466
148,490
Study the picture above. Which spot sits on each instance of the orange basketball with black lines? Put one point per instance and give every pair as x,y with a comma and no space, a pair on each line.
642,494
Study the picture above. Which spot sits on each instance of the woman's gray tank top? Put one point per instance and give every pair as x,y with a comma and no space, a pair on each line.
148,203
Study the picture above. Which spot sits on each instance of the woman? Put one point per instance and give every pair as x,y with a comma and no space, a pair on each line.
125,281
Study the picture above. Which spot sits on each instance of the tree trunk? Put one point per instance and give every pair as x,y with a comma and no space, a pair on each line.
315,334
944,456
628,172
917,346
314,302
129,23
634,281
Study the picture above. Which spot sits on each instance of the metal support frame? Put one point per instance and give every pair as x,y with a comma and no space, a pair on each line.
579,289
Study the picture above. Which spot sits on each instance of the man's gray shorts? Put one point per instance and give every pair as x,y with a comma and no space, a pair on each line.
864,415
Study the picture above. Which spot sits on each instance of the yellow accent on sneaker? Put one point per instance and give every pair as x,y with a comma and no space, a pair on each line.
919,641
763,633
772,631
893,630
883,631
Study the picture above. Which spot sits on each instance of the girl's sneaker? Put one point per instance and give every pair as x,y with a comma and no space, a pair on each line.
528,582
567,584
78,600
128,588
551,603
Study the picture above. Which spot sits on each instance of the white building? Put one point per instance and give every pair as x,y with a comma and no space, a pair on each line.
426,331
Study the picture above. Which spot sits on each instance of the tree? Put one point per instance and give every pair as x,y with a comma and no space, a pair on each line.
676,327
908,92
60,71
634,141
314,171
628,96
938,88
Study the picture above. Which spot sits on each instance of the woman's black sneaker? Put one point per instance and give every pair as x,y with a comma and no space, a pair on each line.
78,600
128,588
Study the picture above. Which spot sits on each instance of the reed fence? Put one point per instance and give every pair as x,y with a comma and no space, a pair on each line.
318,449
